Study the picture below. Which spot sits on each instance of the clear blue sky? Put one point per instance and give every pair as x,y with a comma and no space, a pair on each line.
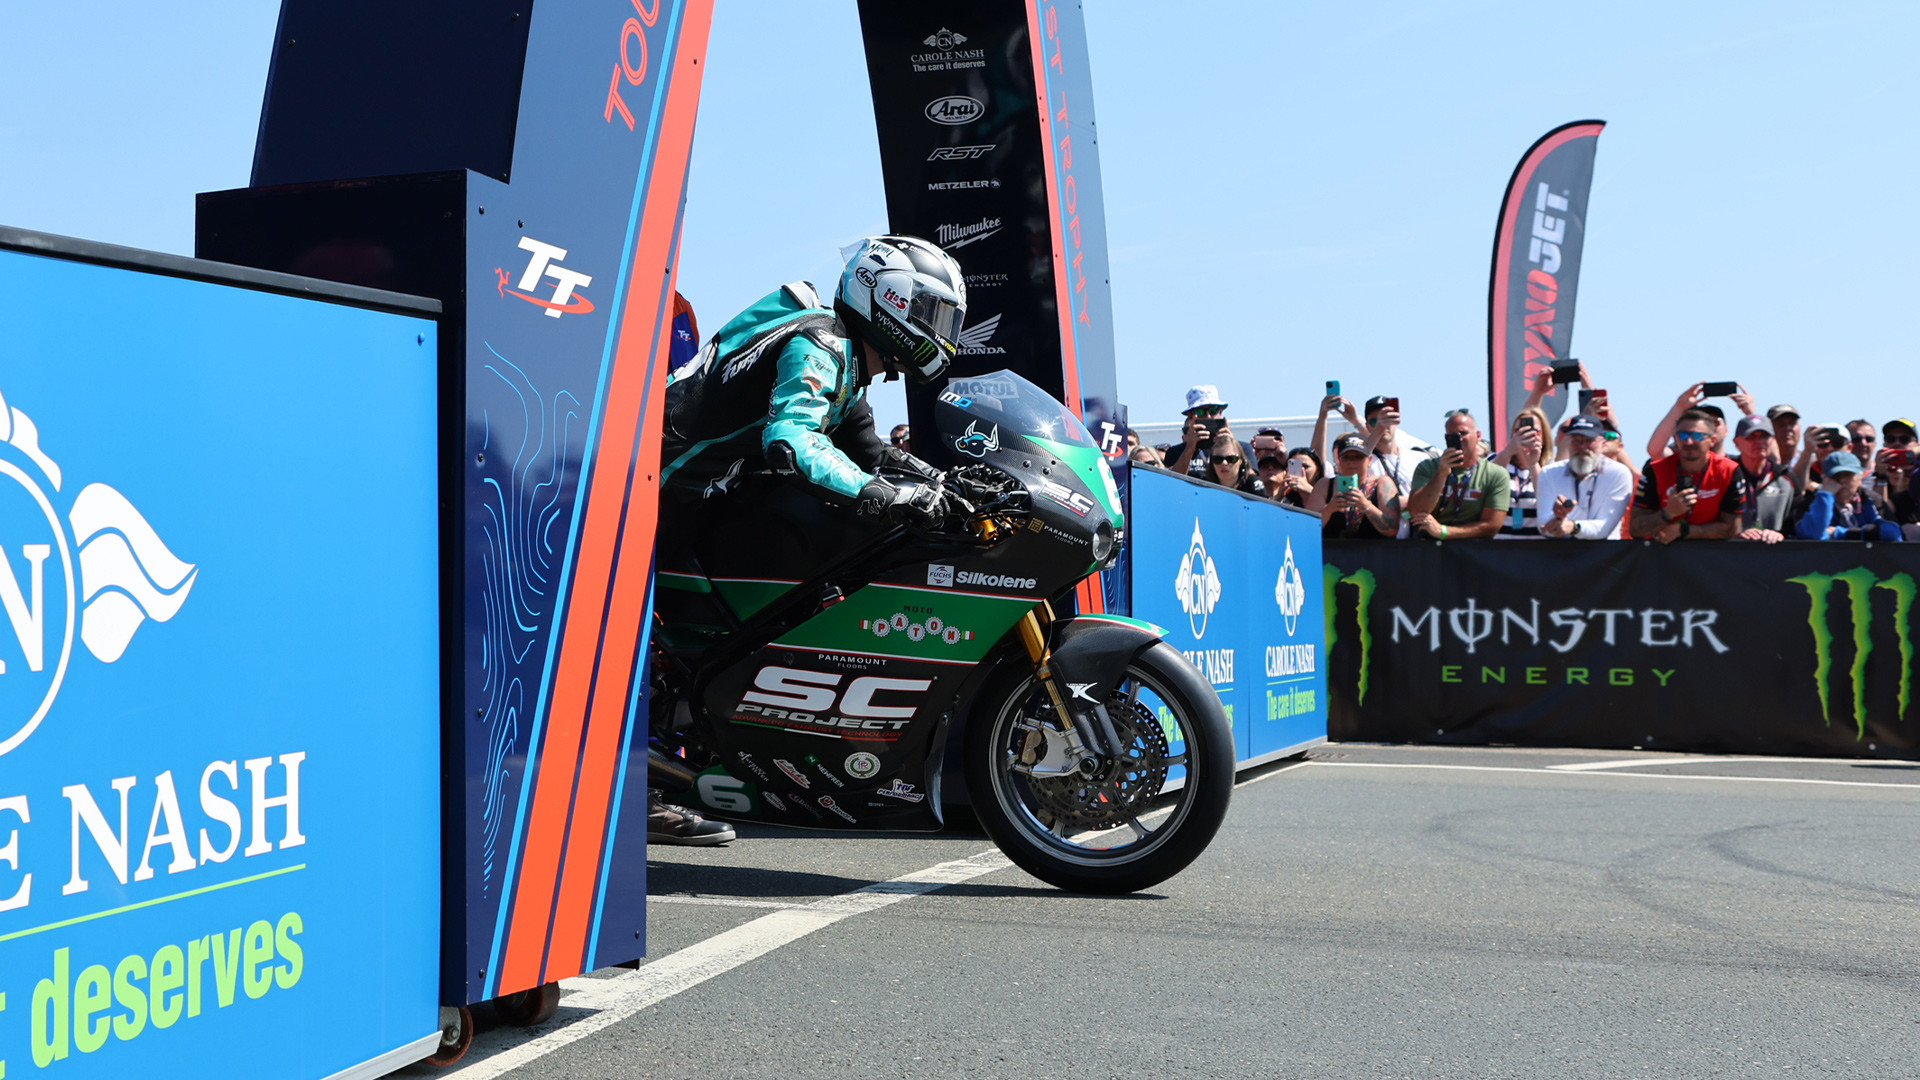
1295,193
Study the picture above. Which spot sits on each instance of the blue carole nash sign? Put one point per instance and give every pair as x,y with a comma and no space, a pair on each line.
1236,581
218,677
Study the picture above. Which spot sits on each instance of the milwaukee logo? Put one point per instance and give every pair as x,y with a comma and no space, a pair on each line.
959,236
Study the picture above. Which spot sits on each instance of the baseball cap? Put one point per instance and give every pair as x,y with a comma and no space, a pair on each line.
1840,461
1203,395
1349,443
1273,431
1751,424
1374,404
1584,424
1779,411
1714,409
1898,421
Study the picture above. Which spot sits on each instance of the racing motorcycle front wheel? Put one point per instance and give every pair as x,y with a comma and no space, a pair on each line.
1112,823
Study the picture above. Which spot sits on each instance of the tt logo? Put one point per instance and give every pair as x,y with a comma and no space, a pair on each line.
545,263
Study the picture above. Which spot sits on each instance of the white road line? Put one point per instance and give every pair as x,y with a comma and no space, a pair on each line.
1271,773
626,994
1634,763
722,901
1911,788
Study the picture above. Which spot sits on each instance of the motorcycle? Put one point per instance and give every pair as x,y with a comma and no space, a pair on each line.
1093,753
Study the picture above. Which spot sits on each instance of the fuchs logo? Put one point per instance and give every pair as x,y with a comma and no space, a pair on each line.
862,765
954,110
959,236
544,262
1860,583
1290,592
1198,582
960,153
109,573
940,574
974,443
973,341
900,789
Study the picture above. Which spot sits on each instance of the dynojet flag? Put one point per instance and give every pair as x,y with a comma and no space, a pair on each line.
1536,267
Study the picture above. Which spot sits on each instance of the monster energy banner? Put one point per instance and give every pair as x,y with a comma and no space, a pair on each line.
1795,648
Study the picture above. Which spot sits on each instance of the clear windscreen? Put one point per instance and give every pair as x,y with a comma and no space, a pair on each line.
1012,402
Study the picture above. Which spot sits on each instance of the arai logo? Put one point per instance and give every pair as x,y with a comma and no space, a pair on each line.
954,110
104,556
1198,583
1290,592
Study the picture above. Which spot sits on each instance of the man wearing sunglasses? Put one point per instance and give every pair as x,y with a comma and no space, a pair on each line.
1898,457
1691,494
1769,483
1206,416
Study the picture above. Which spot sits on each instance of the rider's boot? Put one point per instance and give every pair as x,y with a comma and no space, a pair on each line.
679,825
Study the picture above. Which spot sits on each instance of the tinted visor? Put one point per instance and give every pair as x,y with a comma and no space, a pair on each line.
940,316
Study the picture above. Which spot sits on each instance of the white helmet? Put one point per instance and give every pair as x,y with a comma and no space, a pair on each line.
906,298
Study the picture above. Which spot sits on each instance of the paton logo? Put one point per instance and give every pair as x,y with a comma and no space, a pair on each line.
1198,583
954,110
544,262
1290,592
100,572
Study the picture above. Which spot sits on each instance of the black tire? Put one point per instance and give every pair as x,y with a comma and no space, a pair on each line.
525,1008
1020,813
456,1037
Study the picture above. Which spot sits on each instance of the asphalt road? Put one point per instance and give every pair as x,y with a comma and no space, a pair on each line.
1374,912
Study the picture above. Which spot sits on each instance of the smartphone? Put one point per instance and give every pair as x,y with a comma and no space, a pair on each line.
1265,442
1456,441
1333,387
1566,371
1344,484
1296,467
1526,423
1719,389
1213,424
1592,399
1390,403
1684,483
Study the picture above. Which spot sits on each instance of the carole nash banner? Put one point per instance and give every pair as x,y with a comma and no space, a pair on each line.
1795,648
1232,579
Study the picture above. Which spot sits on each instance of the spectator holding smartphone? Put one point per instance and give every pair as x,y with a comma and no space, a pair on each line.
1585,496
1821,440
1770,491
1206,416
1838,511
1522,458
1356,503
1300,473
1459,495
1227,467
1691,399
1786,434
1692,493
1897,461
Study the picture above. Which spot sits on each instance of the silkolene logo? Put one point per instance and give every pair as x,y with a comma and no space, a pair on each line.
1862,588
99,572
955,109
544,262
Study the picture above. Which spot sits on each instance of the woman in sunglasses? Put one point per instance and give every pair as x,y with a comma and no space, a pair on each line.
1227,467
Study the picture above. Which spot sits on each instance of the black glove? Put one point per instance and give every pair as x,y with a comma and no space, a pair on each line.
894,459
924,505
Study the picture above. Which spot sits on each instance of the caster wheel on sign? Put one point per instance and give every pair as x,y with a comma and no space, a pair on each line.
456,1036
526,1008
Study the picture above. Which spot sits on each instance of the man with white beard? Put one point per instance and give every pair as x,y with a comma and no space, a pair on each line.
1588,492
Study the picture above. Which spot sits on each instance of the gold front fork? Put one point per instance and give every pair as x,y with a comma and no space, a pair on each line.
1034,636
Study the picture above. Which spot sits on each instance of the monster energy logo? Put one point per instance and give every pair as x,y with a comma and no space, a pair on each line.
1363,583
1859,582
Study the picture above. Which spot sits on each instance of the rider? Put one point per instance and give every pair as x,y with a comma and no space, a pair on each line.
779,394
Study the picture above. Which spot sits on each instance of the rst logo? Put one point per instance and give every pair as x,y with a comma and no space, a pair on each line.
544,262
955,109
960,153
96,573
815,697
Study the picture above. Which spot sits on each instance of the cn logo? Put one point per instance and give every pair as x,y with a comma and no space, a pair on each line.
96,572
545,263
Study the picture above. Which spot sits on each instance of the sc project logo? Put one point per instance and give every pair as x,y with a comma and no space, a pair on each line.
100,571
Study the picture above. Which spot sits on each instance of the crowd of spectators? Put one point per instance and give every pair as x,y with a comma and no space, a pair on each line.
1708,474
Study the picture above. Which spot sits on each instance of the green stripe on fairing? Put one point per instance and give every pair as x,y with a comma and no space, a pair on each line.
838,628
748,597
685,582
1139,624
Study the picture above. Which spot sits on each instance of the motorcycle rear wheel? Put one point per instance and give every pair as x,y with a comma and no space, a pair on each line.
1116,831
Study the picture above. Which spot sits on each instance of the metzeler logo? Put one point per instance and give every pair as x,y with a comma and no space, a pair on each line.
109,559
1859,582
959,236
545,263
1198,582
955,109
1290,592
973,341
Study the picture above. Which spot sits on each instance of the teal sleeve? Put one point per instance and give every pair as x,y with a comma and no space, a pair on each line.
798,416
